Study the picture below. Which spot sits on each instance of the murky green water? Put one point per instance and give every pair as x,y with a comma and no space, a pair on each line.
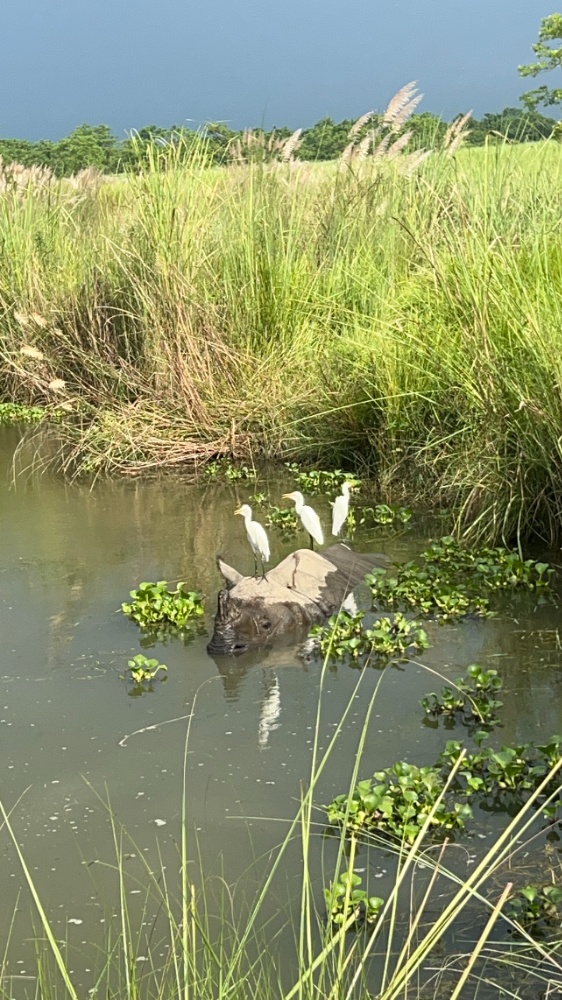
72,737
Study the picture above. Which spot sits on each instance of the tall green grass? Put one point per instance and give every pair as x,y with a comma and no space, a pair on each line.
409,323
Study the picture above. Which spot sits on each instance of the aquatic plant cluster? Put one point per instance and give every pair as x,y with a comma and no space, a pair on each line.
344,635
154,604
472,700
397,802
160,612
142,672
19,413
403,801
364,336
448,581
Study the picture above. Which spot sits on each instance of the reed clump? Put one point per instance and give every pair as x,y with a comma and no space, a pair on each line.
394,310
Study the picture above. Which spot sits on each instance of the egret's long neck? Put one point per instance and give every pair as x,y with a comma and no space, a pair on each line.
248,518
299,504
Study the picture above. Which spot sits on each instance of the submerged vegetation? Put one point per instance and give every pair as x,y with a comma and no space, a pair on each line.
391,313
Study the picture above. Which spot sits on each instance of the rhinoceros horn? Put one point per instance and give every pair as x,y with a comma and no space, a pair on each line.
303,589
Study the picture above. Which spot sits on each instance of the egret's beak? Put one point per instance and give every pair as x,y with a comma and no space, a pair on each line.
287,496
239,511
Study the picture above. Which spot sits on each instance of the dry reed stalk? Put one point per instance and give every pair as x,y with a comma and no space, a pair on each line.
16,178
290,146
87,181
347,155
398,145
409,164
400,101
456,134
358,125
361,151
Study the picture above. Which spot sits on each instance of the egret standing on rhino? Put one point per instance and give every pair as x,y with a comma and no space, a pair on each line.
340,511
257,538
309,518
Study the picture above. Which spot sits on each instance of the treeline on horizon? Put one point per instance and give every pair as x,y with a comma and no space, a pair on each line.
97,146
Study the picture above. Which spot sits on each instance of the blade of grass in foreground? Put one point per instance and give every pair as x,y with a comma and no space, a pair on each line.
42,915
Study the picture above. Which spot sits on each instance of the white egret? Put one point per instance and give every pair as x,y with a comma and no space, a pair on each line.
257,538
340,510
308,516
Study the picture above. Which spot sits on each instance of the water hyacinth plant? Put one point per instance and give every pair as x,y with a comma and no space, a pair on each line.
450,581
18,413
508,776
284,518
397,802
317,481
142,671
224,468
346,901
536,908
154,604
473,700
345,635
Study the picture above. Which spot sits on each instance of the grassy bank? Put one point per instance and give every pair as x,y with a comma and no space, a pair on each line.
403,318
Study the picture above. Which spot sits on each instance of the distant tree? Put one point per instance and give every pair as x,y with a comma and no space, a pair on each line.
326,140
428,131
549,58
513,124
86,146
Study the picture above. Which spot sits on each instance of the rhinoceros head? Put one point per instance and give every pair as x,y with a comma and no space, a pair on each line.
303,589
252,613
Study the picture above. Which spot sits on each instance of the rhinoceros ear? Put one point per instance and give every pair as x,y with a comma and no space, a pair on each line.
231,576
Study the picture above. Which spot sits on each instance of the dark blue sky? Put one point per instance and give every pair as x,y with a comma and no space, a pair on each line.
129,63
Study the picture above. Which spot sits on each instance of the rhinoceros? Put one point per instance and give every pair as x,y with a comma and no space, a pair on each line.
303,589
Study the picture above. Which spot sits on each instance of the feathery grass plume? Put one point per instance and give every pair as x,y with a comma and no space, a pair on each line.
398,146
361,151
359,124
235,151
379,152
346,155
31,352
406,112
16,178
88,180
410,163
274,143
39,321
290,146
398,110
456,134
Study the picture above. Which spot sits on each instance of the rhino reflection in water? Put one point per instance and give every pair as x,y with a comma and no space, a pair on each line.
302,590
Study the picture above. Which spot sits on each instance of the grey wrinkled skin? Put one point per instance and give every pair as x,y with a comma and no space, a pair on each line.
302,590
